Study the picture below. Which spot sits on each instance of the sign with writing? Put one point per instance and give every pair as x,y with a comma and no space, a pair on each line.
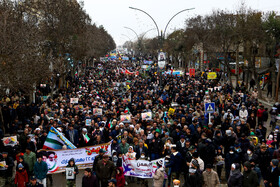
74,100
140,168
2,165
212,75
57,160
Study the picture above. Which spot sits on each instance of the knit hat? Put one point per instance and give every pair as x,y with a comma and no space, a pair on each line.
247,164
20,165
275,162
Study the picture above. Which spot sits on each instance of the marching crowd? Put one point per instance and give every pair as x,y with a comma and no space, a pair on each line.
198,148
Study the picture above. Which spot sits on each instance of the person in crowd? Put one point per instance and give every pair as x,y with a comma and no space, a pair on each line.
6,172
112,183
158,177
235,178
250,177
89,179
120,177
272,176
30,159
105,170
41,170
72,164
34,183
99,157
21,178
210,177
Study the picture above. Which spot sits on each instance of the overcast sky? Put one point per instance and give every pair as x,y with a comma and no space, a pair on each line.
114,15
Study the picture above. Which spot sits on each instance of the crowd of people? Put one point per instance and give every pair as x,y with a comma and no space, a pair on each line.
198,148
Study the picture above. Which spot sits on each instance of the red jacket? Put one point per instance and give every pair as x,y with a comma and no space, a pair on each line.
260,113
21,178
120,178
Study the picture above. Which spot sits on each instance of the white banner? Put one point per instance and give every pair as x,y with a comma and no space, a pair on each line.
140,168
57,160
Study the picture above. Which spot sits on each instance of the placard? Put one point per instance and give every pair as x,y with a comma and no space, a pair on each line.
74,100
69,171
10,141
97,111
88,122
147,102
126,118
2,165
146,116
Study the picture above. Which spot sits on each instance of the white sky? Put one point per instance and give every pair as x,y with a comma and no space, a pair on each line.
115,14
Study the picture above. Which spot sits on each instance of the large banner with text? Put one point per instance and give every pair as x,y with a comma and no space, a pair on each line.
140,168
57,160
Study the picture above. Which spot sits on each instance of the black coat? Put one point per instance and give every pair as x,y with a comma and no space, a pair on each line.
236,180
194,180
89,181
273,177
144,150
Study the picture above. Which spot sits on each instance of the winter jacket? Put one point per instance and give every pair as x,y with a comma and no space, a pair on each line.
90,181
273,176
158,177
30,160
194,180
123,148
250,178
120,178
210,179
75,169
21,178
105,172
235,179
40,170
175,162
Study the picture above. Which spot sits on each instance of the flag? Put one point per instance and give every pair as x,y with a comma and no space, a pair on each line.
126,111
55,140
110,125
86,138
128,72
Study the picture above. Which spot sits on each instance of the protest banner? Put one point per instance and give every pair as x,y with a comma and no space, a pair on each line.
125,118
74,100
146,116
97,111
57,160
10,141
79,107
88,122
140,168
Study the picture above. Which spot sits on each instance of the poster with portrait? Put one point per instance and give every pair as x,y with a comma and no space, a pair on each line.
69,171
74,100
126,118
146,116
10,141
97,111
88,122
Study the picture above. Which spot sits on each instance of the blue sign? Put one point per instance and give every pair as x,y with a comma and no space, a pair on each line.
209,108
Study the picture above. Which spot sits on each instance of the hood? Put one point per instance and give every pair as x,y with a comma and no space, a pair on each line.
72,159
121,170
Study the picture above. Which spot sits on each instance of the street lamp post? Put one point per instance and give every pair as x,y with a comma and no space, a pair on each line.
161,36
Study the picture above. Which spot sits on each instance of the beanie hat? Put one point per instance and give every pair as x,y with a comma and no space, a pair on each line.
20,165
247,164
275,162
